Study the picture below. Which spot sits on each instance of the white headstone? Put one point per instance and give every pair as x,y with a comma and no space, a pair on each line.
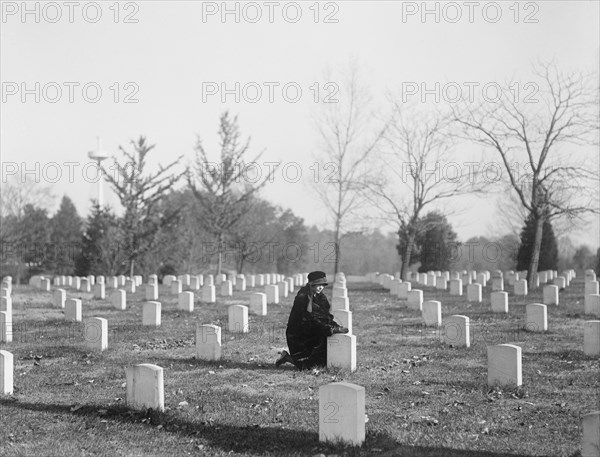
238,319
339,291
186,301
481,279
474,293
151,292
415,299
84,285
272,292
209,293
456,331
536,317
590,447
208,342
283,289
456,287
344,318
113,282
45,285
591,338
342,413
6,372
342,303
403,290
497,283
195,282
504,365
95,333
145,387
441,283
290,282
99,292
6,305
168,279
151,314
499,302
592,304
226,288
176,287
550,295
561,282
240,284
252,281
73,309
260,280
118,299
341,351
5,327
432,313
258,304
591,287
58,298
520,287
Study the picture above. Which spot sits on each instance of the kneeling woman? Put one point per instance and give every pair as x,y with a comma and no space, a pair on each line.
309,325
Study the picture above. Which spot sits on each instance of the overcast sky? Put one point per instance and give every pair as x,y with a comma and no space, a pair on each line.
158,68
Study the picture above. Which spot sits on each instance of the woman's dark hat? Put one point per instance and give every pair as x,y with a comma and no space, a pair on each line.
317,278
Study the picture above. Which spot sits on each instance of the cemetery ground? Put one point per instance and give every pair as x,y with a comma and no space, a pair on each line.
423,397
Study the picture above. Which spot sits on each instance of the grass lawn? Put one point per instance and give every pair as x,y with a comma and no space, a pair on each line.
423,398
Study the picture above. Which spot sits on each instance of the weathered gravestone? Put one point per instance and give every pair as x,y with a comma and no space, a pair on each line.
342,413
145,387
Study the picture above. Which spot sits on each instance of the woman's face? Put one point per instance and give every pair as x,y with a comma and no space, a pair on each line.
318,288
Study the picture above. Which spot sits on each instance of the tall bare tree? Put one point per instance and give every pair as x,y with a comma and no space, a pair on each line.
350,134
140,194
223,188
418,150
536,135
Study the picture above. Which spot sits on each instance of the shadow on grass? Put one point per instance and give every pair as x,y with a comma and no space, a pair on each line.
250,438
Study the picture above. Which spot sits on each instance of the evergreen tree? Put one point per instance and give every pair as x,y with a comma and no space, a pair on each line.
65,236
102,246
436,243
548,251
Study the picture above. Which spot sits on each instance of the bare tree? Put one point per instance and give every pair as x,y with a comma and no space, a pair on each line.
419,146
222,188
140,194
527,133
349,137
